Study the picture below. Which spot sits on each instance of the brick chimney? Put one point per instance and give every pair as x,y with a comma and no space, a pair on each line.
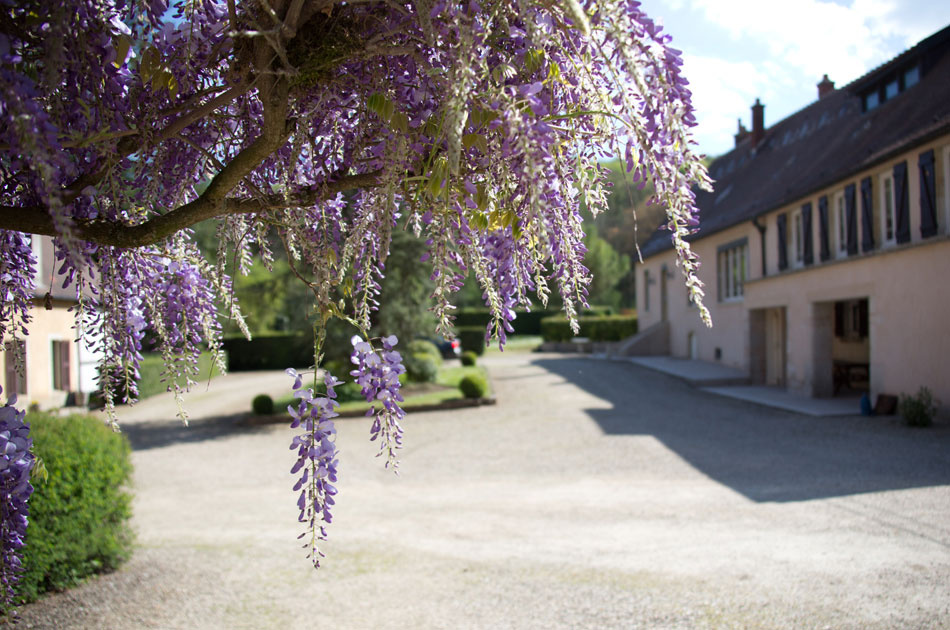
758,123
826,87
742,133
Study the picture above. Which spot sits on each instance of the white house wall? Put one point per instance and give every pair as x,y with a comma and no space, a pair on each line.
906,286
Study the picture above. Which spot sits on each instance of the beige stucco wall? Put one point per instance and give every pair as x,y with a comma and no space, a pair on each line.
46,327
906,286
728,333
907,299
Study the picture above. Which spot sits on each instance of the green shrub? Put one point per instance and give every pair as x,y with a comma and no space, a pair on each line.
919,410
421,368
469,358
269,352
595,328
79,515
472,339
262,405
525,323
423,346
473,386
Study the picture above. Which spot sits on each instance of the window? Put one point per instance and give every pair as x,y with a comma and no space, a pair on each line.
911,77
14,353
841,226
891,89
60,350
646,289
798,238
888,232
732,269
946,190
871,101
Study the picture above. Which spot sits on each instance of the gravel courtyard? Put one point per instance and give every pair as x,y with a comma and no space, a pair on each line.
595,495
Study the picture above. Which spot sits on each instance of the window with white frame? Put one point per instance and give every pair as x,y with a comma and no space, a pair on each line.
60,364
732,269
841,226
798,238
888,218
945,216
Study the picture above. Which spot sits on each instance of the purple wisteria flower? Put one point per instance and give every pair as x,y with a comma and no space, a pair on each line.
16,463
377,373
316,457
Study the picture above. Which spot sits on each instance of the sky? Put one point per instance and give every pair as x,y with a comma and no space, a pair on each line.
735,51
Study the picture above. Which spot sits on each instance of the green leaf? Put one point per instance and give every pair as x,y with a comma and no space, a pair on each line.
122,45
399,122
437,175
151,60
381,106
533,60
172,84
475,139
481,197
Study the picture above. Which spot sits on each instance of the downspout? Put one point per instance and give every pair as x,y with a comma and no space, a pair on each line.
761,229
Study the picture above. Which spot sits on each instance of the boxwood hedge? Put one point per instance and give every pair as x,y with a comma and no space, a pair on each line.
595,328
78,521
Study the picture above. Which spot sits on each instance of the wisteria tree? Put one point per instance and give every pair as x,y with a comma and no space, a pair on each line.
478,124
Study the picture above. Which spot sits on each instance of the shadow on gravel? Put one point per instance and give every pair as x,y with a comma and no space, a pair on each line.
762,453
147,435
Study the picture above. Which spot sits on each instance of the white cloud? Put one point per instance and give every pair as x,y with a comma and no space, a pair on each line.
738,50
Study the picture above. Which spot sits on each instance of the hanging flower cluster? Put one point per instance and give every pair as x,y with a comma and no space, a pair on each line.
316,458
377,373
322,127
16,463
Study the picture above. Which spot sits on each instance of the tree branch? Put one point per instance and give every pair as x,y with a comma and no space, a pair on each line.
36,220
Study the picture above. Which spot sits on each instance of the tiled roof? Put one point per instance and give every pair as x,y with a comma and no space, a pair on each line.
826,142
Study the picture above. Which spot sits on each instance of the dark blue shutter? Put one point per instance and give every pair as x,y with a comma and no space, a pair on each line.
851,218
823,236
782,242
928,195
808,248
902,203
867,216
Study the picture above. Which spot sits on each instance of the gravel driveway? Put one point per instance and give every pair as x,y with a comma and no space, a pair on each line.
594,495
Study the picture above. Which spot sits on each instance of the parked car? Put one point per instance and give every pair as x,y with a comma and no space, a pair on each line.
449,349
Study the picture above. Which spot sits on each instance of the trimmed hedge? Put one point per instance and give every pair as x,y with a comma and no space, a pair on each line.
426,347
524,324
421,368
269,352
469,358
474,386
603,328
262,405
472,339
79,515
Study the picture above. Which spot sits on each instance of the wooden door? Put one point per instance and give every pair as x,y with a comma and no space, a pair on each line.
775,347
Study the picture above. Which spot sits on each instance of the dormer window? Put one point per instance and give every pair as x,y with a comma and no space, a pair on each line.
911,76
890,87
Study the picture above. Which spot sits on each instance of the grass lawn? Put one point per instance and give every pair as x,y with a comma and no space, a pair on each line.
444,389
516,343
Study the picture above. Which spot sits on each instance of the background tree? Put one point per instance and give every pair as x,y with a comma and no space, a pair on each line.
478,126
607,268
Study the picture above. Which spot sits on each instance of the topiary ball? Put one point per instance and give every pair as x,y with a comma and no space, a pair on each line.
474,386
469,358
421,368
263,405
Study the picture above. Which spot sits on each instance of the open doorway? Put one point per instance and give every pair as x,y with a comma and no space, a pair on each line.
850,348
